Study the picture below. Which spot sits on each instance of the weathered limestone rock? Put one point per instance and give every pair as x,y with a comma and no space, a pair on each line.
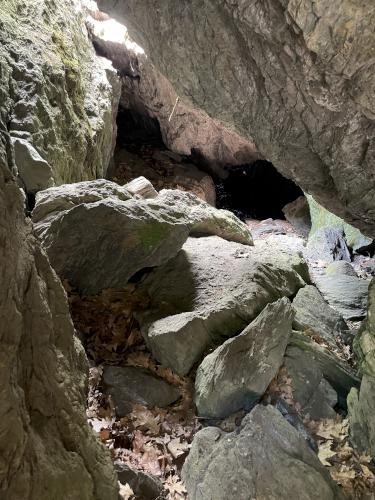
328,244
205,219
320,218
129,385
361,404
188,130
313,313
311,390
302,69
58,95
97,236
210,291
267,458
335,371
102,244
298,214
345,293
238,372
47,449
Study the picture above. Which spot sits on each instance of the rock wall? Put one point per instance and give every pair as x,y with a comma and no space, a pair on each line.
297,76
47,449
55,92
185,129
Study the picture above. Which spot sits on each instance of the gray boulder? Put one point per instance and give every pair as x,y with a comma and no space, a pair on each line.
35,172
101,244
210,291
206,219
97,235
313,313
128,385
238,372
345,293
341,267
328,244
335,371
266,459
298,214
315,396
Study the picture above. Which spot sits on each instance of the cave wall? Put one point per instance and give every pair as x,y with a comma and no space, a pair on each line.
188,130
47,449
55,92
296,76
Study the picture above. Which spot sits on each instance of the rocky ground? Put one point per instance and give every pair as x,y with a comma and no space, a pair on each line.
212,342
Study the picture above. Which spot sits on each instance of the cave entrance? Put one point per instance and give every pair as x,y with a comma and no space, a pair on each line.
135,130
251,191
256,191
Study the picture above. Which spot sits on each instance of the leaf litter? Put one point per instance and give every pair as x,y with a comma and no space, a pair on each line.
157,440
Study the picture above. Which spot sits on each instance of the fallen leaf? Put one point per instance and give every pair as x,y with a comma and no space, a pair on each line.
325,452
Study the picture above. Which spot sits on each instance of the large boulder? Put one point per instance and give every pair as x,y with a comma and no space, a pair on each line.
98,236
205,219
61,99
344,292
266,458
238,372
102,244
314,314
296,77
210,291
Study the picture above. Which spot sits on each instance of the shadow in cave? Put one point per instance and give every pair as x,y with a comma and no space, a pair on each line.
256,191
136,129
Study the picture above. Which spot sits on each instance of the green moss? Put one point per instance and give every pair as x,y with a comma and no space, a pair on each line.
320,217
152,235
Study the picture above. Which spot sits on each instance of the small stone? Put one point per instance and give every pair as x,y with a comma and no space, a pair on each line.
128,385
141,187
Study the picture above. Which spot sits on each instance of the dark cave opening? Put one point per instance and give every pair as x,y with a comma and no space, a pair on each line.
135,130
256,191
251,191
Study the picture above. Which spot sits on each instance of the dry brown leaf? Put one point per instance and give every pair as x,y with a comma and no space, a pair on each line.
177,448
176,490
326,452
